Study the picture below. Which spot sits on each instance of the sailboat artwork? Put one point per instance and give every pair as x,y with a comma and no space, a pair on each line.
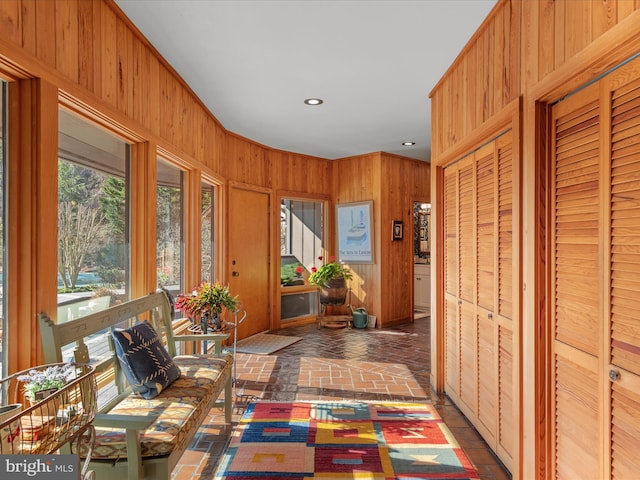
354,232
358,232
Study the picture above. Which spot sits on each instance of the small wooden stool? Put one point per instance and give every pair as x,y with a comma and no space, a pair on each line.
334,320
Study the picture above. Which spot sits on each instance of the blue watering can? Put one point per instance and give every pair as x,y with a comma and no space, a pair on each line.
360,317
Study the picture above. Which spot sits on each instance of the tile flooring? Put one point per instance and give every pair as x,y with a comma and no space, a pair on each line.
334,364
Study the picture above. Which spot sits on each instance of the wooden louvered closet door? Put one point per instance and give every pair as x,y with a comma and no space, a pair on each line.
595,279
478,271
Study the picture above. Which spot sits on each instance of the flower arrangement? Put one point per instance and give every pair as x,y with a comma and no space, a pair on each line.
329,271
51,378
207,298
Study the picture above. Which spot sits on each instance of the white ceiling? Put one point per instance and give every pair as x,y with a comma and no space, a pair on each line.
373,62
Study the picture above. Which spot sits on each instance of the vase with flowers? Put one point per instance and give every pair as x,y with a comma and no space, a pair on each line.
331,280
206,303
39,383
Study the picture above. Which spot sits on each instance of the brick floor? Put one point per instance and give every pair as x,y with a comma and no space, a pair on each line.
338,364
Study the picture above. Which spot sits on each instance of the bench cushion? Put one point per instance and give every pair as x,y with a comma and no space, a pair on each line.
144,359
179,408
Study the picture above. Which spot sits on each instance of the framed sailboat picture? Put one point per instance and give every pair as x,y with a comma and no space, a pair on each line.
355,240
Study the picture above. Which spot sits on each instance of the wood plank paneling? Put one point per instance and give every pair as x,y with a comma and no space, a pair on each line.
562,30
92,51
10,24
483,80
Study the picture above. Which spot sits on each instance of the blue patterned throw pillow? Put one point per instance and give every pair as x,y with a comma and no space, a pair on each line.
144,360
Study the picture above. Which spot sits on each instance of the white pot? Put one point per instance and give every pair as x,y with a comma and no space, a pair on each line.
10,430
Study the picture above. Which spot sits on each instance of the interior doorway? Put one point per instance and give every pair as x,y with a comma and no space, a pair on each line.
421,260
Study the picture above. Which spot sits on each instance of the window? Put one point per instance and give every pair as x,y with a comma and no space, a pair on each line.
208,272
300,246
3,230
93,218
169,228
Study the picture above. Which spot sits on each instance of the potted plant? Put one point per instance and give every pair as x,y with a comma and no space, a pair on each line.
40,383
291,274
331,280
206,302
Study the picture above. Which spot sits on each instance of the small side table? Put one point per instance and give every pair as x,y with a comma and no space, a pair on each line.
217,337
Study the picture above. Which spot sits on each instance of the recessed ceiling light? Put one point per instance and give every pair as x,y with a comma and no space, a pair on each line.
408,144
313,101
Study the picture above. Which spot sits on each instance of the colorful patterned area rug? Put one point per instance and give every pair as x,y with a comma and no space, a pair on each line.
341,440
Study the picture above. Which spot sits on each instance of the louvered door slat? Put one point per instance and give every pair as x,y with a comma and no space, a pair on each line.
451,230
576,196
485,229
465,229
576,284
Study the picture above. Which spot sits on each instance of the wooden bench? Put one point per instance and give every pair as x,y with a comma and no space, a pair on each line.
140,438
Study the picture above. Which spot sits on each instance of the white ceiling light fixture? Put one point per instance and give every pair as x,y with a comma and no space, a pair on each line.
314,101
408,144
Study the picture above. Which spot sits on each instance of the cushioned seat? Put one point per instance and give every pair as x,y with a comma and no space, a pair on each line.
178,409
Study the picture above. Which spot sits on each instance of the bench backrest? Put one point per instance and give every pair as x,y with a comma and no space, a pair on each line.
88,339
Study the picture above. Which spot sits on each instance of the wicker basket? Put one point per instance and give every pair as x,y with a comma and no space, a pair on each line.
46,425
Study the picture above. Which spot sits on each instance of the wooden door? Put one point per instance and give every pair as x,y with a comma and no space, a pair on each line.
507,326
623,263
480,331
249,256
576,285
451,283
486,254
595,279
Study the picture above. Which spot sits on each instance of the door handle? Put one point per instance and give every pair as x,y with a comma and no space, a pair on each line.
235,274
614,375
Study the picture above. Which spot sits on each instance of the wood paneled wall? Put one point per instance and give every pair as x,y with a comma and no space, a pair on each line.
393,183
518,45
93,59
534,52
93,52
482,81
